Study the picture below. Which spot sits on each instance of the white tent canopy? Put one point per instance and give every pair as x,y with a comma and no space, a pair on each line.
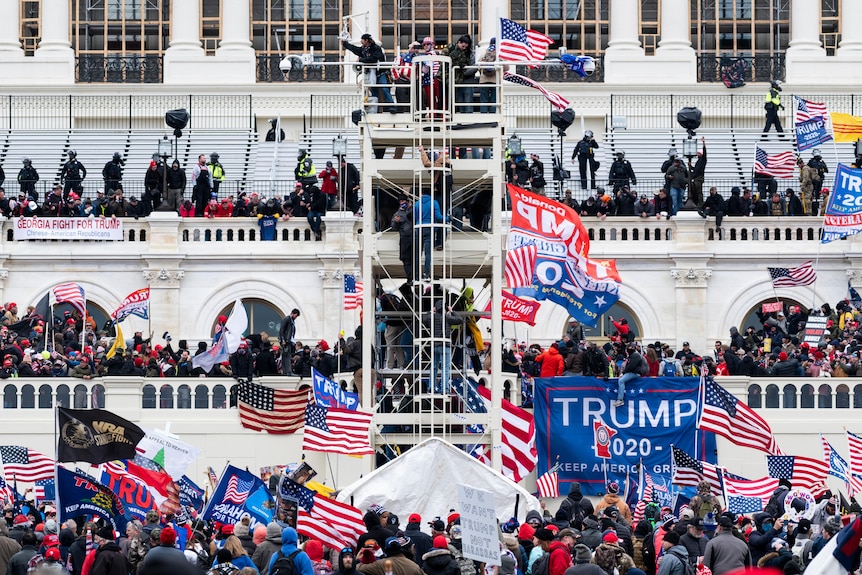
425,480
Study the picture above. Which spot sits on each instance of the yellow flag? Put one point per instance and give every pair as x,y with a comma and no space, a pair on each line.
846,128
119,343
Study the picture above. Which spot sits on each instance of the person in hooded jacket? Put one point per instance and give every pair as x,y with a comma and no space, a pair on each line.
242,532
267,548
575,500
375,520
552,362
760,539
422,542
242,367
439,560
301,562
346,562
612,498
591,535
314,548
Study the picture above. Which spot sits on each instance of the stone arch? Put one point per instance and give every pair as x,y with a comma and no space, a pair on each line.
749,295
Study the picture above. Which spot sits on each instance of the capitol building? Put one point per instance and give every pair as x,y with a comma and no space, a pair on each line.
98,77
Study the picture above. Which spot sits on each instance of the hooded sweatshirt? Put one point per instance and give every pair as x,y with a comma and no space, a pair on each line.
301,562
267,548
342,570
573,499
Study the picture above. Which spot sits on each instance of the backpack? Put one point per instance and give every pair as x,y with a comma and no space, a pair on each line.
541,566
687,567
576,516
669,369
284,564
203,561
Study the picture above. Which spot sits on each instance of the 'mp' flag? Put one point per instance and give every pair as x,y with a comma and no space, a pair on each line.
95,436
81,495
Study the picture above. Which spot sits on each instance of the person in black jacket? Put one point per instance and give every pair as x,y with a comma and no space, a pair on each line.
584,153
698,172
575,504
73,174
314,200
734,204
371,53
439,560
765,530
176,187
375,520
113,173
714,205
621,172
402,222
241,363
27,178
421,541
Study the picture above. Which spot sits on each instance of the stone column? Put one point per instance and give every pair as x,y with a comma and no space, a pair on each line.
851,34
236,26
10,32
690,296
675,26
55,29
185,61
185,28
164,279
623,26
805,27
489,22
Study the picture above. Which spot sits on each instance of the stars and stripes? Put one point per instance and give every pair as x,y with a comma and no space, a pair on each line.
689,471
262,408
334,523
303,496
520,263
747,495
839,468
781,165
806,110
237,490
801,275
854,447
334,430
556,100
352,292
802,472
732,419
73,294
7,494
548,484
518,437
24,464
519,44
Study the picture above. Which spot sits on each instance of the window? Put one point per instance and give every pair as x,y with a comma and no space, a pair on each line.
842,397
772,396
148,401
10,397
45,399
219,397
824,396
63,396
790,397
755,399
751,318
81,397
807,400
262,317
581,26
202,397
857,396
166,397
97,399
28,397
184,397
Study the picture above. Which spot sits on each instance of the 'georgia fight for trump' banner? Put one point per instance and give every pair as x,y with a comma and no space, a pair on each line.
563,272
597,443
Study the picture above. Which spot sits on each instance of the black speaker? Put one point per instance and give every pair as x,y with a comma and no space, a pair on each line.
689,118
562,120
356,116
177,119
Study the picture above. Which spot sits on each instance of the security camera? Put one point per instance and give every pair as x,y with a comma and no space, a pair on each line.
285,65
589,66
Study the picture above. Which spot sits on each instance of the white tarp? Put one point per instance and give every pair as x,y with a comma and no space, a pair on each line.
425,480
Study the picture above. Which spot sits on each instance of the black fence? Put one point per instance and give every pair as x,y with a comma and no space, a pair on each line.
731,69
271,69
116,68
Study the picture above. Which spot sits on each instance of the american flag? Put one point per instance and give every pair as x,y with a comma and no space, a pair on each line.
802,472
73,294
237,490
38,492
25,464
549,484
262,408
806,109
690,472
854,446
748,495
781,165
518,437
556,100
211,474
7,494
520,263
334,430
352,292
519,44
303,496
640,507
732,419
801,275
838,468
334,523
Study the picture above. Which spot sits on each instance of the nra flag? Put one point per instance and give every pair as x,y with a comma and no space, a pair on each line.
95,436
136,303
564,272
844,208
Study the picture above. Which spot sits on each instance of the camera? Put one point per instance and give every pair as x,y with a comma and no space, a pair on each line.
589,66
285,65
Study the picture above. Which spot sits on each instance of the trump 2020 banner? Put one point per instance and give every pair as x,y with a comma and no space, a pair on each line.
844,210
563,272
597,443
812,133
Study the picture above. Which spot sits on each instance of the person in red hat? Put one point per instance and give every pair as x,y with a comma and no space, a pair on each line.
422,542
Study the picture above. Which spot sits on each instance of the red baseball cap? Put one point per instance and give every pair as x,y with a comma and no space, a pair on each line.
51,540
414,518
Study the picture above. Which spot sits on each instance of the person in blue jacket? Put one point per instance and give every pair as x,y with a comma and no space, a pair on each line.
301,562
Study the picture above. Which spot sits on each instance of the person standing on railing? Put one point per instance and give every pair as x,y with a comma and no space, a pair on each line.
286,339
772,106
73,174
463,72
27,178
370,54
698,173
112,173
677,178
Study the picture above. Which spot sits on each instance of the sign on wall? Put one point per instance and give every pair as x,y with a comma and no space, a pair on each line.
68,229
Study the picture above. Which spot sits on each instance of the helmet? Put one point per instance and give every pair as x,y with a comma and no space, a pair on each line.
815,152
621,154
73,154
776,84
588,133
117,156
672,153
301,154
25,160
214,156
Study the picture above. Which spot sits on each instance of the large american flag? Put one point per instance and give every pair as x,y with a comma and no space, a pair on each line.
802,472
548,484
806,109
237,490
334,430
801,275
73,294
781,165
556,100
334,523
262,408
688,471
748,495
854,447
352,292
732,419
520,263
518,437
24,464
519,44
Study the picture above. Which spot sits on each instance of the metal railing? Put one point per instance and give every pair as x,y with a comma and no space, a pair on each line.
269,70
554,71
117,68
726,68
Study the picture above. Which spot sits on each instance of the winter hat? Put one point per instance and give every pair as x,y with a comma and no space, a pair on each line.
452,518
20,520
804,526
686,513
259,535
168,536
227,529
668,520
610,537
613,487
544,534
833,525
273,531
106,532
240,530
507,564
526,532
314,549
414,518
440,542
582,553
223,556
672,537
782,356
376,509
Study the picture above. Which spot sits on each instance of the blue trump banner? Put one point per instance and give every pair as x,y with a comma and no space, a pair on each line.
844,210
596,442
135,495
330,394
811,133
190,494
78,494
239,492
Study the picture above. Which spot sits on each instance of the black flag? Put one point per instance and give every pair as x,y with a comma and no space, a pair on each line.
96,436
40,312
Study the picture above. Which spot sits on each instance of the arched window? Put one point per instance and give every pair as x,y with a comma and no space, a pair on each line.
28,397
184,397
857,396
790,396
45,396
807,400
755,399
166,397
98,315
842,397
148,399
604,327
10,397
219,397
753,319
772,396
824,396
81,396
202,397
63,395
98,396
262,316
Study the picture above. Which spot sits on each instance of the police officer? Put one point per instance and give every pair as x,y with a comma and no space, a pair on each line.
537,175
270,135
27,178
217,171
621,172
112,173
304,171
584,153
819,166
772,106
73,174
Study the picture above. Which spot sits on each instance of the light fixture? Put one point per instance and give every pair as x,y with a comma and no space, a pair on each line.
339,146
164,148
689,147
514,146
